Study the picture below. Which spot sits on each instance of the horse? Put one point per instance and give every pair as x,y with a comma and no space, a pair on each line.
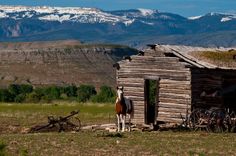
124,107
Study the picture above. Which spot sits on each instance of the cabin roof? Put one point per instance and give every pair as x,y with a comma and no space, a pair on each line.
190,55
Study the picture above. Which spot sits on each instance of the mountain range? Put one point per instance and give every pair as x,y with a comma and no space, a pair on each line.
135,27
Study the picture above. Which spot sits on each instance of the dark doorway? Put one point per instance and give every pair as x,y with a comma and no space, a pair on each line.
151,89
229,93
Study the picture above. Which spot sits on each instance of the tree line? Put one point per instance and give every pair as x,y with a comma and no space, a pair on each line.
27,93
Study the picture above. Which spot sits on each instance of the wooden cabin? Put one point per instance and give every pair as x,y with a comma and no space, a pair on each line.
182,82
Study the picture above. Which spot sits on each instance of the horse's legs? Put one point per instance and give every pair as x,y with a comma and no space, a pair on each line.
123,122
129,118
118,122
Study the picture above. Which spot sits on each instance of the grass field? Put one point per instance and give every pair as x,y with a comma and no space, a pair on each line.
14,117
26,115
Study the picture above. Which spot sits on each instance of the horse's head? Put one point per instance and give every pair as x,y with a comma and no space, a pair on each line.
120,92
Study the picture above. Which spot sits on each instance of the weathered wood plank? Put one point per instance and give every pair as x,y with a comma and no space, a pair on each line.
139,112
138,116
173,110
137,121
155,66
174,95
136,70
174,100
173,105
171,114
138,107
130,93
151,58
134,89
179,91
176,87
135,98
171,120
141,74
130,79
138,102
168,81
127,84
162,76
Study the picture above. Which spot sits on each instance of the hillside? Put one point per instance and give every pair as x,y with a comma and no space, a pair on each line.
59,63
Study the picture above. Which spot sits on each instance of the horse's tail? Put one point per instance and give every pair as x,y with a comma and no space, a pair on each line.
131,108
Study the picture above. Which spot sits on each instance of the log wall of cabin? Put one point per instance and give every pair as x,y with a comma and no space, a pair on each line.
174,88
204,80
210,79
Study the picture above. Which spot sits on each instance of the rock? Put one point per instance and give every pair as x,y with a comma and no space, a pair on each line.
10,78
25,130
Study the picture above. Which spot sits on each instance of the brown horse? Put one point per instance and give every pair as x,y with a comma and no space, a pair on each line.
123,108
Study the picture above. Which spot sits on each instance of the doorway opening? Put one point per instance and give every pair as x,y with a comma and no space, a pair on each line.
151,91
229,93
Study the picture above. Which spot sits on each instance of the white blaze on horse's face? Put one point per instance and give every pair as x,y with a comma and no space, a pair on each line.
120,92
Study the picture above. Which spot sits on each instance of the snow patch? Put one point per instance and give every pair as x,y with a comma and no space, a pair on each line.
146,12
228,18
165,17
55,18
129,22
27,15
3,15
50,18
225,19
148,23
194,17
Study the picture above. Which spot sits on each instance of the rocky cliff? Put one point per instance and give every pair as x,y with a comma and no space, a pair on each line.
59,63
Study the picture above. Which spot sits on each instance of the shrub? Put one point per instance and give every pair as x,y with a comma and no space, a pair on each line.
63,96
39,91
6,96
106,94
48,93
71,91
33,97
85,92
46,98
25,88
52,92
16,92
20,98
14,89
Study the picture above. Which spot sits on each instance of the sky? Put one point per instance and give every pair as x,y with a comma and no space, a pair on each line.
185,8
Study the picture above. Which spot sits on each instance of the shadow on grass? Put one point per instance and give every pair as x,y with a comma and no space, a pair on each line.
2,149
110,135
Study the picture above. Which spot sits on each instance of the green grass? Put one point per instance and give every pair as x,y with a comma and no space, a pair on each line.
27,115
135,143
100,142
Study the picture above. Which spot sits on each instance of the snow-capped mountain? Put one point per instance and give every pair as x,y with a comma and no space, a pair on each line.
136,26
72,14
224,16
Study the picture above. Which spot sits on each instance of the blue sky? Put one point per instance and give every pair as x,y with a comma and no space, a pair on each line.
182,7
